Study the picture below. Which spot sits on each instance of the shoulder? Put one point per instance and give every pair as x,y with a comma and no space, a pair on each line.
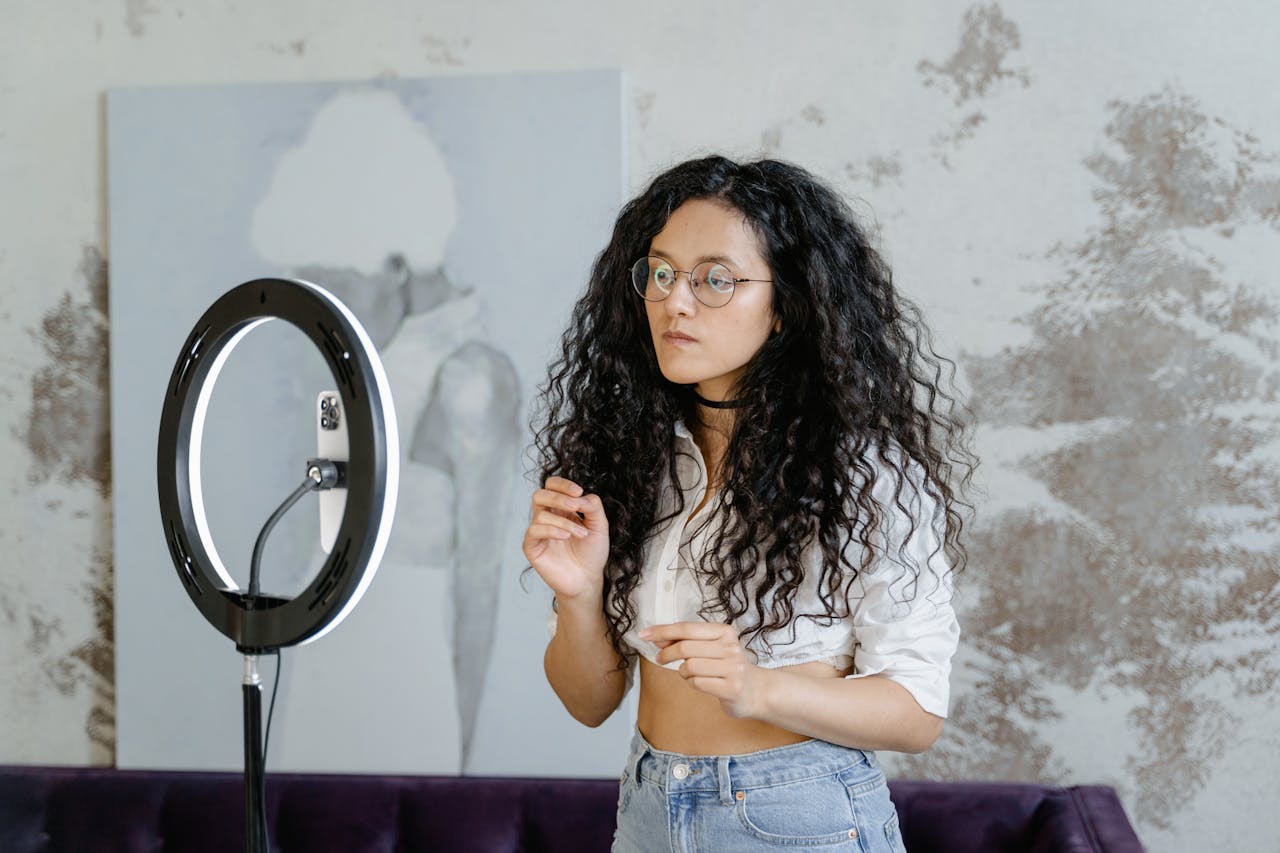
900,483
906,537
476,380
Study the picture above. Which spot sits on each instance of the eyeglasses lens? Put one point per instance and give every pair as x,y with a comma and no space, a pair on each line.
654,279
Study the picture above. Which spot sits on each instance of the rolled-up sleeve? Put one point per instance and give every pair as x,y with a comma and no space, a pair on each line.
904,625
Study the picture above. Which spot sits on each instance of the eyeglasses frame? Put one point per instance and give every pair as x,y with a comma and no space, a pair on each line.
689,275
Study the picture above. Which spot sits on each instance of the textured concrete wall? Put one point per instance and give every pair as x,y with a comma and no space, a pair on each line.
1084,197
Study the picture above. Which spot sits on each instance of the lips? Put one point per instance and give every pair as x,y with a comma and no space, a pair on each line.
678,337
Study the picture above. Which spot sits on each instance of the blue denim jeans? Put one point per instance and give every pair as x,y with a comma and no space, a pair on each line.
810,794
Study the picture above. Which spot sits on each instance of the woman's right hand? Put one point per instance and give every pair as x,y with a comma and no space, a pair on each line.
567,542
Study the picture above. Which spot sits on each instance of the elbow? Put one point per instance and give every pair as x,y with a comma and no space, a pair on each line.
589,696
925,734
590,720
591,707
917,729
591,714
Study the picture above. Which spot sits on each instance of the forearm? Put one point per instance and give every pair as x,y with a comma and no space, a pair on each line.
581,664
867,713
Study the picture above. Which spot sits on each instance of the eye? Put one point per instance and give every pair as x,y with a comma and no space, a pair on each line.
661,275
720,279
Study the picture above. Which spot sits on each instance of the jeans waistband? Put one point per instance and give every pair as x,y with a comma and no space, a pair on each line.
675,772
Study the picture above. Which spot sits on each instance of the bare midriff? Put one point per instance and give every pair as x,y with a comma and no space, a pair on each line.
675,717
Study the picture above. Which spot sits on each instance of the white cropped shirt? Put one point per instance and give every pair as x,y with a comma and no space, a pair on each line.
900,628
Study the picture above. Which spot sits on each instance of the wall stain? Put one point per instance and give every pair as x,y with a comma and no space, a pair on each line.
443,51
978,63
41,630
9,609
876,170
644,108
814,115
97,655
68,429
1141,352
44,633
771,140
297,47
947,141
771,137
975,70
135,11
91,663
67,434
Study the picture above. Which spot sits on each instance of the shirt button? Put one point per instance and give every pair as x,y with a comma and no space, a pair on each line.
680,771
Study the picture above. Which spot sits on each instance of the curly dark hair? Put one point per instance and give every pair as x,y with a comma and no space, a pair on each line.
851,373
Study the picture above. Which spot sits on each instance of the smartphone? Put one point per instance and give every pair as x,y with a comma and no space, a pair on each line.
331,443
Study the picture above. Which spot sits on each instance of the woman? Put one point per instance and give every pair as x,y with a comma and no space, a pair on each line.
747,467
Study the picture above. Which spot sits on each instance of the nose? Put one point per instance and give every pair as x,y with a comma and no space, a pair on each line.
681,301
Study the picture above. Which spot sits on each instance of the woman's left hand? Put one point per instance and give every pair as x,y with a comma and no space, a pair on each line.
714,662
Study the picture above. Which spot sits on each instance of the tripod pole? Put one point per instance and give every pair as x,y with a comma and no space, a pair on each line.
255,803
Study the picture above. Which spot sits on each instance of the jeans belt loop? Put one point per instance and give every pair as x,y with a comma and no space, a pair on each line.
634,767
722,776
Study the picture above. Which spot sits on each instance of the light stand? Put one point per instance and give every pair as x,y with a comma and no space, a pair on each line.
259,624
255,771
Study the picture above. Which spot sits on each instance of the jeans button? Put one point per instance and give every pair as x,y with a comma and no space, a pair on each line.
680,771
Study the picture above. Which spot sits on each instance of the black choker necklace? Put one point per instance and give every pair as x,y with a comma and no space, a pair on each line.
719,404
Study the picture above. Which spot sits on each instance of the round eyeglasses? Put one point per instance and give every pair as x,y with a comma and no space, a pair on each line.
712,283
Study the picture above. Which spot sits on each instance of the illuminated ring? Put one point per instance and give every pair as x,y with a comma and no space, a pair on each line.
372,470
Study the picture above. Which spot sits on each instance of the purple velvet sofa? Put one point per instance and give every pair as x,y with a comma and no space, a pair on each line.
92,810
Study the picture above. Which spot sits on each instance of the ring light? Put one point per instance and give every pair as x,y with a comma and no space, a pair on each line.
372,476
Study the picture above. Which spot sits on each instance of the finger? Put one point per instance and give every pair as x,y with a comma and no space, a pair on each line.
547,517
675,631
591,511
540,532
708,649
561,484
549,499
717,687
705,668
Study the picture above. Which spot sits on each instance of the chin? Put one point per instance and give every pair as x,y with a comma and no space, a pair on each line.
680,377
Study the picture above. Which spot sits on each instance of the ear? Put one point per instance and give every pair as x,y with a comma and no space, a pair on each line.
777,325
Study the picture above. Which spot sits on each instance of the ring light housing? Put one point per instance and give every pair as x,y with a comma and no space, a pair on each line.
372,474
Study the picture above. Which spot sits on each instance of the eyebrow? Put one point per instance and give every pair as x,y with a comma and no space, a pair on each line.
715,259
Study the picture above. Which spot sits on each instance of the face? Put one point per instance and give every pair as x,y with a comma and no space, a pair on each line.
710,348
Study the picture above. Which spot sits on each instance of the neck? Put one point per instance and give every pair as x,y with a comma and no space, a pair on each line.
711,433
427,290
717,404
716,416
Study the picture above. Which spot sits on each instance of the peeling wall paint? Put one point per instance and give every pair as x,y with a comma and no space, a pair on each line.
976,70
977,67
67,431
66,438
1127,398
97,654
